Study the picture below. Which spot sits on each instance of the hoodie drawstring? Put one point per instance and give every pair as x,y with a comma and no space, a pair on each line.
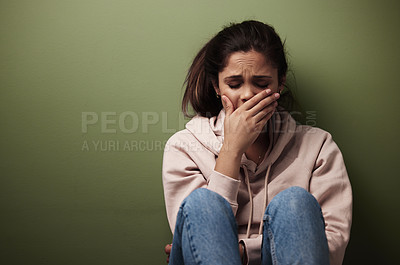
265,189
265,199
246,176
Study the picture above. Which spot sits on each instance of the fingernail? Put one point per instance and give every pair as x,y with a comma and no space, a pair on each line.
277,95
268,91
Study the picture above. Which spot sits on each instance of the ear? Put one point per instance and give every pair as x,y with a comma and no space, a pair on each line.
216,88
282,83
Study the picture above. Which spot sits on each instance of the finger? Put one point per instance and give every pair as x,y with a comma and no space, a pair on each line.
256,99
265,111
228,105
167,248
261,123
264,103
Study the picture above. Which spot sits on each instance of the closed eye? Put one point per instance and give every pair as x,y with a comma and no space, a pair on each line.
235,85
264,86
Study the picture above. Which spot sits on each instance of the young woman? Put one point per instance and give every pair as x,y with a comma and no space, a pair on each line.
243,183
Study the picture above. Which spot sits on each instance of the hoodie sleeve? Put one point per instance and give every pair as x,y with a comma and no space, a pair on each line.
182,175
331,187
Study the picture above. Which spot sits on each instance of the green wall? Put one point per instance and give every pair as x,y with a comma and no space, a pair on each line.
64,63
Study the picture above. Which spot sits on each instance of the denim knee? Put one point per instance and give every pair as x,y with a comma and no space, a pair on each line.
295,200
206,201
294,229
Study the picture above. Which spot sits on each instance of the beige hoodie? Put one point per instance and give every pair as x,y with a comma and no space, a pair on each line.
298,155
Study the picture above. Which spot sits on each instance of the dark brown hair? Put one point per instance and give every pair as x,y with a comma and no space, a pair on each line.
212,59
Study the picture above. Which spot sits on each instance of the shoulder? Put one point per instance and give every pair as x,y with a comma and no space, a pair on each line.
308,134
312,142
180,140
288,128
184,151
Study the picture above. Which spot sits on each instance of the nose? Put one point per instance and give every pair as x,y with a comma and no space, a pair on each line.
247,92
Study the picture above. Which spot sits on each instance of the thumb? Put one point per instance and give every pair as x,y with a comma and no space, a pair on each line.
228,106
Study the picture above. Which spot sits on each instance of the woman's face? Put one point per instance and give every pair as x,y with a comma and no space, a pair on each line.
245,75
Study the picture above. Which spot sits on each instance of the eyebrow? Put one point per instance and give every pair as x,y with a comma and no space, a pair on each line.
239,76
262,76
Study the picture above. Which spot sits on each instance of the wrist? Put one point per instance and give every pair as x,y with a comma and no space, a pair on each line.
228,163
229,150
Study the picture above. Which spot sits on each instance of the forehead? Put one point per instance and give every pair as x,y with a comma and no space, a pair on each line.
251,61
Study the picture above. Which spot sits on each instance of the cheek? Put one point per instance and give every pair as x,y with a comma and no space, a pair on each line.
232,97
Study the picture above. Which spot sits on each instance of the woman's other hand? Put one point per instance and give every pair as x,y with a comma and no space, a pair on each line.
167,250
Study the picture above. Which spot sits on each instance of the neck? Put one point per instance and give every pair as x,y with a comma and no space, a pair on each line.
262,139
257,150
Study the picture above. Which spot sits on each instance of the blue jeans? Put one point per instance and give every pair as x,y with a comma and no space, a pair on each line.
293,232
